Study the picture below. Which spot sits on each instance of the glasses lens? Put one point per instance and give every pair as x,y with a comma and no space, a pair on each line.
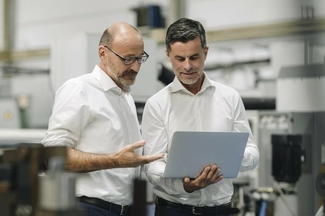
130,60
140,59
143,58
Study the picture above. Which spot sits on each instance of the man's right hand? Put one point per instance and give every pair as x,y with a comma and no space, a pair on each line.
126,157
78,161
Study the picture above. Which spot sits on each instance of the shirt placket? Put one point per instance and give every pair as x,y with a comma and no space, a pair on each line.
198,116
127,116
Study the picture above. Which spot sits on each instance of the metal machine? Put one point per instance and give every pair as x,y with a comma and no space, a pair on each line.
320,187
31,187
292,138
287,156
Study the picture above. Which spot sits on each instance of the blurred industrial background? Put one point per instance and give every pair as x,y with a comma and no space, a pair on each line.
271,51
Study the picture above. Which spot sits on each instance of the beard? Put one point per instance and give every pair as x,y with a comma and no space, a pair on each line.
127,78
122,79
190,81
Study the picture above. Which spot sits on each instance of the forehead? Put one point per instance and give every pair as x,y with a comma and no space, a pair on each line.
128,45
184,49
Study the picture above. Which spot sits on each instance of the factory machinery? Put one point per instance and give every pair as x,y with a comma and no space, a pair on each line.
32,182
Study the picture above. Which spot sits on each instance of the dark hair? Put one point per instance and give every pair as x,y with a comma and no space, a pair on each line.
184,30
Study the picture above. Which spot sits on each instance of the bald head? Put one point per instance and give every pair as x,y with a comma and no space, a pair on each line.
120,30
119,43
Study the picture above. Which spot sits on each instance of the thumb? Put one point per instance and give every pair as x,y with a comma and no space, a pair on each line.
186,180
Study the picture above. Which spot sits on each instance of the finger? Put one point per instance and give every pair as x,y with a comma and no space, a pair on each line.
214,166
213,173
137,144
151,158
186,180
205,172
219,178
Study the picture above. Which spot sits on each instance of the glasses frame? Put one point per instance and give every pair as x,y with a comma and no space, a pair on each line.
139,59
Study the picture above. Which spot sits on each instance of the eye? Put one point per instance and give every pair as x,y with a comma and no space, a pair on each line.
129,60
180,59
194,57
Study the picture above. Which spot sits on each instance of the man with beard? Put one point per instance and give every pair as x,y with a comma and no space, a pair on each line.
192,102
95,117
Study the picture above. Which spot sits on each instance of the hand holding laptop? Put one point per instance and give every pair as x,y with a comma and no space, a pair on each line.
209,175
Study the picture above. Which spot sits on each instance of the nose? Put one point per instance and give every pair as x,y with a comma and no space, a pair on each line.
187,65
136,66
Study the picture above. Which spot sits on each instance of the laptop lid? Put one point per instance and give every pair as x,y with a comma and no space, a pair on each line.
191,151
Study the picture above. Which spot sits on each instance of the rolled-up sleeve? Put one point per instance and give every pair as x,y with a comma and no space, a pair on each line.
70,115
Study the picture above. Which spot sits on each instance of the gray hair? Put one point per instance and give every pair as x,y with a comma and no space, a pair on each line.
184,30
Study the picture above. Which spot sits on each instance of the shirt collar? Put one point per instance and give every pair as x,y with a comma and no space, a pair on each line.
105,81
177,85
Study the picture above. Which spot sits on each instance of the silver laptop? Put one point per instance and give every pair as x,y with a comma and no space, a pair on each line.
191,151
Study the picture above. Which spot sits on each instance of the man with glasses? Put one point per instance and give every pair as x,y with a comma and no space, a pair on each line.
95,117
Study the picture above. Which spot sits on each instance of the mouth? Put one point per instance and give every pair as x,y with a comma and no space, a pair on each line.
188,73
130,74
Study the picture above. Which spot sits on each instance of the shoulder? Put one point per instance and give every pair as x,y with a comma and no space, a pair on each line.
161,96
79,88
224,89
80,82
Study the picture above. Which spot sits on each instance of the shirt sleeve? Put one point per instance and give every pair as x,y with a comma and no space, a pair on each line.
251,154
70,115
154,132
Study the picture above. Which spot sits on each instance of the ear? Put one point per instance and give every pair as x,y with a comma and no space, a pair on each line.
206,52
101,52
167,54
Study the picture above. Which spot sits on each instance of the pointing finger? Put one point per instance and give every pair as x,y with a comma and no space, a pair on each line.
137,144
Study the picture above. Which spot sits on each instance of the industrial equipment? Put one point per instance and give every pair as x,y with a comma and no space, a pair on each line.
300,88
320,187
32,182
286,170
306,126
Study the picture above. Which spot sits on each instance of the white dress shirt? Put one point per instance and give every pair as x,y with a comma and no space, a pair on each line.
92,114
215,108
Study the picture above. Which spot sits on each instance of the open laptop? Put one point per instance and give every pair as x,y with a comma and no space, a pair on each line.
191,151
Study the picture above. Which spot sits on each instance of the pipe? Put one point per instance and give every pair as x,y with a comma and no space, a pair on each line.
8,29
177,9
9,21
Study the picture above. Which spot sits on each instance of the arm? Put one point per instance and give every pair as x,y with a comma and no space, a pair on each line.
71,115
154,132
79,161
251,154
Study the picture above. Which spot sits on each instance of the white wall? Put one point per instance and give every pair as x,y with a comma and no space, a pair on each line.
38,21
216,14
319,6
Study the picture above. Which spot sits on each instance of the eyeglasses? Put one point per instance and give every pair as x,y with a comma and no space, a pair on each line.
131,60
